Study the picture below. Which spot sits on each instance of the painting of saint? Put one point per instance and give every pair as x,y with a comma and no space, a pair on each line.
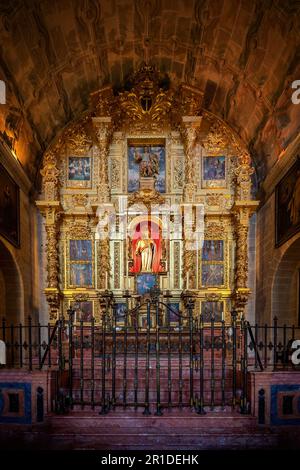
79,169
120,313
80,250
83,311
212,250
288,205
9,208
146,161
212,274
81,274
145,282
214,168
212,308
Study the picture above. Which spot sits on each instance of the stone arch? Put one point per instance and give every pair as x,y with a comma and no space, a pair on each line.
284,287
11,286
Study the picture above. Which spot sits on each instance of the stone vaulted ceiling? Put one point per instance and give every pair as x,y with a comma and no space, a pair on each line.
242,54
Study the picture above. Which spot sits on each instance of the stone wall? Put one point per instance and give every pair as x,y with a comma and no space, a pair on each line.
276,270
20,281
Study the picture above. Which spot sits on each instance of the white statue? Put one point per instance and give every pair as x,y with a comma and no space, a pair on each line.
146,249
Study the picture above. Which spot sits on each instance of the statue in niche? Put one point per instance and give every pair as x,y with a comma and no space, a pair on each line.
145,248
148,162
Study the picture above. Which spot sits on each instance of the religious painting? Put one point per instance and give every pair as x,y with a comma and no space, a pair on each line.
288,204
211,309
214,167
214,171
145,282
173,313
81,274
146,246
146,160
83,311
143,321
213,250
9,208
120,312
79,168
80,250
212,274
79,172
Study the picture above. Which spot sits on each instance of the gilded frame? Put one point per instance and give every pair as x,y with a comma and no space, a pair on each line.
79,184
68,264
225,263
214,183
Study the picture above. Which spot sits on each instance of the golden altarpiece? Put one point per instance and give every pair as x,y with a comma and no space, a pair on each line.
147,190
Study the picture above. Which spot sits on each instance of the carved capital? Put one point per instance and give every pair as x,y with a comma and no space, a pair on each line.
50,174
243,173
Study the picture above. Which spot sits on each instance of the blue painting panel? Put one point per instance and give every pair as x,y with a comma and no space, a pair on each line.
145,282
80,250
23,390
212,274
148,161
173,312
81,275
79,169
214,168
213,250
277,392
120,309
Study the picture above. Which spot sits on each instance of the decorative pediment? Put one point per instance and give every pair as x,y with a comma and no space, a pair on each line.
148,100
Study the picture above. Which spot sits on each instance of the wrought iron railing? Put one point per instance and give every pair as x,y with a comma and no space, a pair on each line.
154,364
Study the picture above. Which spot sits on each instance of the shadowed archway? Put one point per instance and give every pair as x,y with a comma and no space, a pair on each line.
285,287
11,291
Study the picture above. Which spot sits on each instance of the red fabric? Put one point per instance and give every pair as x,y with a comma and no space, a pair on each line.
155,235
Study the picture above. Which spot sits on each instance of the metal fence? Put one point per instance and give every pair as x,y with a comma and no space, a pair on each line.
153,357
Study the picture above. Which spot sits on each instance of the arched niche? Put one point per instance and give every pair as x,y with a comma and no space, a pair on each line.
11,288
285,289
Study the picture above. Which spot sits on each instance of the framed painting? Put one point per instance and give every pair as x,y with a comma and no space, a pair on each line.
146,159
79,172
173,313
145,282
80,250
212,274
212,308
213,250
214,171
143,321
83,311
9,208
287,194
81,275
120,313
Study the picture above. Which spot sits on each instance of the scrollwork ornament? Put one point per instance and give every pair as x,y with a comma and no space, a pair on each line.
50,174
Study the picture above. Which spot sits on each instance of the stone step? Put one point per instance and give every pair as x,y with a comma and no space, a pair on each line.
144,440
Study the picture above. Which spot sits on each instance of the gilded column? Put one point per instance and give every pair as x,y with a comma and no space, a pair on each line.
243,209
104,131
50,208
189,137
